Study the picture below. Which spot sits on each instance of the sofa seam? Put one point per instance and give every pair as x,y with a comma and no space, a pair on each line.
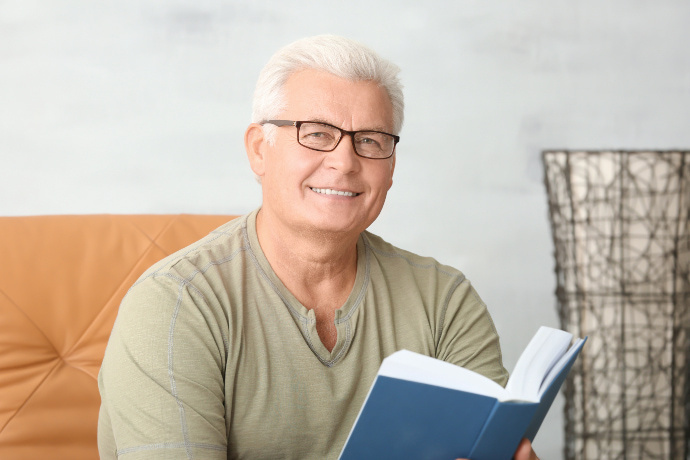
33,392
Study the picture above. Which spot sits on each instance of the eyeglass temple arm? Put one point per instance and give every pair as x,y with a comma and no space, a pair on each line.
279,122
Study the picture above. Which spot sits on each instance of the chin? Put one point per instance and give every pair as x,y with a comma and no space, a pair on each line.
337,225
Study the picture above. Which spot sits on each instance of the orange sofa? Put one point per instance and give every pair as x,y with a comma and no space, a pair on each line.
61,282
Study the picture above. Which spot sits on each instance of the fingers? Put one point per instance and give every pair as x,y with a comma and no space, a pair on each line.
525,451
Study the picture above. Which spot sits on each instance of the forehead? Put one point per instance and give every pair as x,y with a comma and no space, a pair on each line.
318,95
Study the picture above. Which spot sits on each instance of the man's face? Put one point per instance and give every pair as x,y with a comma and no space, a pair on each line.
294,178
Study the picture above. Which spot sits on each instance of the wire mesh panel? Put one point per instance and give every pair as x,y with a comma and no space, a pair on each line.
621,232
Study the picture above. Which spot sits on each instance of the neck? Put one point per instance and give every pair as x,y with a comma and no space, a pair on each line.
309,262
318,268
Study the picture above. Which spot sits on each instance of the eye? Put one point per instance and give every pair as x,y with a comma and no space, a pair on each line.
369,139
317,134
317,130
317,138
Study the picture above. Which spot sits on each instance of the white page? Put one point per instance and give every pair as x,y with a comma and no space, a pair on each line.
558,366
543,351
407,365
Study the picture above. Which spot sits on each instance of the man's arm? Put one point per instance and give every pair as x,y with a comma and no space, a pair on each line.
469,326
162,379
468,336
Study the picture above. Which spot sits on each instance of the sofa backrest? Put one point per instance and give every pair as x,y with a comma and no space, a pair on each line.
61,281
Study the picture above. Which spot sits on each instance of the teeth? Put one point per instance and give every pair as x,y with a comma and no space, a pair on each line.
328,191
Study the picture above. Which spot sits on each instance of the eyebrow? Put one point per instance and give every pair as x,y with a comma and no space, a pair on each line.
326,122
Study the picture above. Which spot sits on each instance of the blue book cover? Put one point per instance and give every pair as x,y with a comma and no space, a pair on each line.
422,408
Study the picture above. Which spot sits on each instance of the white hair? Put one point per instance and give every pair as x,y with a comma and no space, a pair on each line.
339,56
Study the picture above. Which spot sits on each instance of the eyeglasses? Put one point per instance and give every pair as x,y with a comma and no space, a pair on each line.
325,138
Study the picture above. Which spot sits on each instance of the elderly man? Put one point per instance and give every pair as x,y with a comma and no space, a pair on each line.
262,339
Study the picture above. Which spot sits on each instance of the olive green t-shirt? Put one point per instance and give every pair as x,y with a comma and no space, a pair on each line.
212,357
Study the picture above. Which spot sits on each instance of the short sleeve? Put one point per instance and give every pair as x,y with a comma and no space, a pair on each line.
468,336
162,378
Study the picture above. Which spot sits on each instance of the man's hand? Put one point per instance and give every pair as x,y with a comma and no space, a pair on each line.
523,452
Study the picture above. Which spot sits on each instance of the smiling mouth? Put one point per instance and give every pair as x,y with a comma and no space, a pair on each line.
328,191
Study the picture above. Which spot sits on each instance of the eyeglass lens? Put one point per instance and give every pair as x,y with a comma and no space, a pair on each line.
323,137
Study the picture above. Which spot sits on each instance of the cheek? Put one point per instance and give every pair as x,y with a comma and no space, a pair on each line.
291,168
380,192
302,162
386,178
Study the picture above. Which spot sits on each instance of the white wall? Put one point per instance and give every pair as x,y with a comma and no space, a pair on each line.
139,106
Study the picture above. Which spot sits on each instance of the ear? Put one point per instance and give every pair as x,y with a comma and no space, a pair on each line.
255,144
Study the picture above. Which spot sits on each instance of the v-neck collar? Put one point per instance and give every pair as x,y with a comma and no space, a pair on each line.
304,317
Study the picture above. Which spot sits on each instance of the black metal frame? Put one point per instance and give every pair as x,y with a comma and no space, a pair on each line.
297,124
620,222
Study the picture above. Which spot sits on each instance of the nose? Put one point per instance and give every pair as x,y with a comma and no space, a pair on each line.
343,157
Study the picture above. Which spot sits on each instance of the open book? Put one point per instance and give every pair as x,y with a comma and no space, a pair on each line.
421,407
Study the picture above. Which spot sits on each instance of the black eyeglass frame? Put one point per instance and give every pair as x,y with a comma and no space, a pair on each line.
297,125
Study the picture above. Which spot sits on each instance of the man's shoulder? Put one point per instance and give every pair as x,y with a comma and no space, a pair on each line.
389,254
216,246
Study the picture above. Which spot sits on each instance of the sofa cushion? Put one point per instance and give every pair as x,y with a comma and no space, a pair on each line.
61,281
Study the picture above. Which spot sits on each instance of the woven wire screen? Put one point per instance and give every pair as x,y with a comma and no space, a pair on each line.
622,247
